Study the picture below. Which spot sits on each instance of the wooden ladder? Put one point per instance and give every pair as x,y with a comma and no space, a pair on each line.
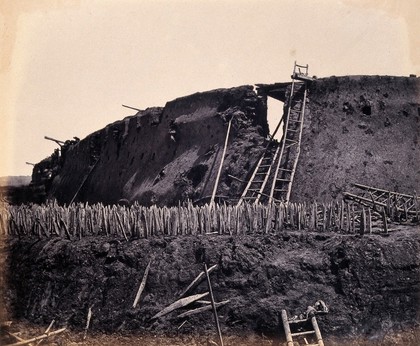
290,145
301,329
257,184
278,162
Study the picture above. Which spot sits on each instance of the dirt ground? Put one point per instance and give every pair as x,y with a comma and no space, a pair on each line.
72,338
371,285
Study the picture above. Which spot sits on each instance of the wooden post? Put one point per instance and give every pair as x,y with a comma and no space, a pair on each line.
370,221
362,223
221,163
196,281
317,331
384,220
213,305
286,327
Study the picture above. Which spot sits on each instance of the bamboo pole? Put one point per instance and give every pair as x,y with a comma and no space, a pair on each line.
317,331
286,327
221,163
216,318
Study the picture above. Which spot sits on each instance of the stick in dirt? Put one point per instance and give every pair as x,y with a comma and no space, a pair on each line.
89,316
142,285
216,318
46,332
200,277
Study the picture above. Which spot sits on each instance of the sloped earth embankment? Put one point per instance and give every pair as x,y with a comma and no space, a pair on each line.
371,284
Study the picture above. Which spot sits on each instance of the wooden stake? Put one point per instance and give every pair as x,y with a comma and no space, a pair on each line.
89,316
384,220
142,284
216,318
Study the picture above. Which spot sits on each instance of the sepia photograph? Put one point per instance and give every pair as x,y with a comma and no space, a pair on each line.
210,172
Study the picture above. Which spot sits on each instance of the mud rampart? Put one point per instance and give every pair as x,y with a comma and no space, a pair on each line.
359,129
166,155
371,284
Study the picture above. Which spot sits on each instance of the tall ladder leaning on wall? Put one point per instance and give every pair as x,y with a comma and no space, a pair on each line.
278,162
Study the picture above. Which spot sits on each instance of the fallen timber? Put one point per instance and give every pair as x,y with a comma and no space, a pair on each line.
202,309
37,338
373,198
180,303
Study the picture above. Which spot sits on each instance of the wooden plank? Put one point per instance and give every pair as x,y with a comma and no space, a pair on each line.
202,309
179,304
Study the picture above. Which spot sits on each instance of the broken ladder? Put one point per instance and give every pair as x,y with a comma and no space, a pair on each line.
301,328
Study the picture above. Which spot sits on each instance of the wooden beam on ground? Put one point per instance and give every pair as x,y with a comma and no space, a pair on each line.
17,337
202,309
179,304
40,337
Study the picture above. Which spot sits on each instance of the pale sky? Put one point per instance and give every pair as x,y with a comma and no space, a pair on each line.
68,65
